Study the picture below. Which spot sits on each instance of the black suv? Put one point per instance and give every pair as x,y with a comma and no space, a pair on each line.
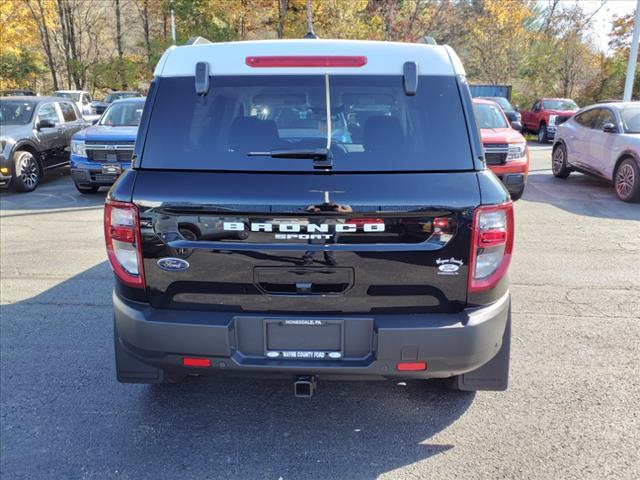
313,208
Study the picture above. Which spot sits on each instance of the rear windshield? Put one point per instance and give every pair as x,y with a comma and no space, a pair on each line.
370,124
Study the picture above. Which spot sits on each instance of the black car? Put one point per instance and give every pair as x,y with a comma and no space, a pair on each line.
35,133
100,107
254,234
510,111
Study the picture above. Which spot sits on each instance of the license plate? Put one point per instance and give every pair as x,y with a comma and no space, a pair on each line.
111,169
304,339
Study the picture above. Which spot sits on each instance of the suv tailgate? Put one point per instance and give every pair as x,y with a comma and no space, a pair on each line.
383,243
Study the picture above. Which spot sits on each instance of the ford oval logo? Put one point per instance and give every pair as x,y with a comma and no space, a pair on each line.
448,267
171,264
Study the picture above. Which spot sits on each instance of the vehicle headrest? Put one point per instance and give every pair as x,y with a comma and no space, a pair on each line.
383,133
252,134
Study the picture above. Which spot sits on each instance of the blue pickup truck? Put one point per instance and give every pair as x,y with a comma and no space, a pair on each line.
100,153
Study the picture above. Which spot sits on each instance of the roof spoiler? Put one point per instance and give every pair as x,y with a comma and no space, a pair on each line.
197,41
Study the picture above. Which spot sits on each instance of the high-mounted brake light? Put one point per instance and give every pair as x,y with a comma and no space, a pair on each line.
491,246
306,61
122,237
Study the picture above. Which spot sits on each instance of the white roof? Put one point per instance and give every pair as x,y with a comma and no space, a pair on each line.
383,58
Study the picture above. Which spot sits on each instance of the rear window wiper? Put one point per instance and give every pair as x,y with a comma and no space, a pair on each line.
322,157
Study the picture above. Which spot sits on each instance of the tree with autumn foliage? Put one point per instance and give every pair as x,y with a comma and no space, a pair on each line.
21,59
541,47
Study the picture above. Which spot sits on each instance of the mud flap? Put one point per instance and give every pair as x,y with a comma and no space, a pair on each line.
494,375
131,370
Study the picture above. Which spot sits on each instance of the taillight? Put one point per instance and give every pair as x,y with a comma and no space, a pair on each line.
306,61
491,246
122,236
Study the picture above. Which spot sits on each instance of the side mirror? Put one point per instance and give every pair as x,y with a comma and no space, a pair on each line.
516,125
95,122
45,124
609,128
516,108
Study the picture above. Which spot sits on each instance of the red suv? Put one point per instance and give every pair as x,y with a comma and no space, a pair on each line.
505,149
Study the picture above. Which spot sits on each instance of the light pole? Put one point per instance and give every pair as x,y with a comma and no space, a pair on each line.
173,27
633,57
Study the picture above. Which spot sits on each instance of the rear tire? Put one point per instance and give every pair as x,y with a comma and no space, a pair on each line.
26,172
543,136
90,189
626,181
559,164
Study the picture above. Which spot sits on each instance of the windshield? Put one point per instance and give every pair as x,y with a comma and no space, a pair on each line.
14,112
112,97
489,116
560,105
126,114
75,96
503,102
374,125
631,120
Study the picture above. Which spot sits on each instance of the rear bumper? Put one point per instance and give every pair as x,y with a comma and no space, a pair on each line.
153,340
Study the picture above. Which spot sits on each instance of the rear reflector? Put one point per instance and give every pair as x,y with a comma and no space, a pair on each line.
306,61
196,362
411,366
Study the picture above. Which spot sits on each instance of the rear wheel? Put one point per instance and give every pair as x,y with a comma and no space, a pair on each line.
627,181
559,165
542,134
26,172
89,189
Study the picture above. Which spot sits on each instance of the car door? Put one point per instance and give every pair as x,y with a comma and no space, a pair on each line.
530,118
52,140
73,121
600,143
577,142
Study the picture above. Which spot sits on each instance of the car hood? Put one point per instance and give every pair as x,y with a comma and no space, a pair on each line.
500,135
16,132
105,132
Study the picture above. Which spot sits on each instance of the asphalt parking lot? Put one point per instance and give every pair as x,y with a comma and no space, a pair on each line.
572,410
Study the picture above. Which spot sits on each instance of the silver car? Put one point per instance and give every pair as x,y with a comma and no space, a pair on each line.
602,140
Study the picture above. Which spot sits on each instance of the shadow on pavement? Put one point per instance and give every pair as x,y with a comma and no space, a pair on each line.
60,398
579,194
56,191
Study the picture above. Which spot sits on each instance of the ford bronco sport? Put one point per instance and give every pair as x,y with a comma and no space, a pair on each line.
315,209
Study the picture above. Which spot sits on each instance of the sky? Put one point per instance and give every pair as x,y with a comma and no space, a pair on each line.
602,20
